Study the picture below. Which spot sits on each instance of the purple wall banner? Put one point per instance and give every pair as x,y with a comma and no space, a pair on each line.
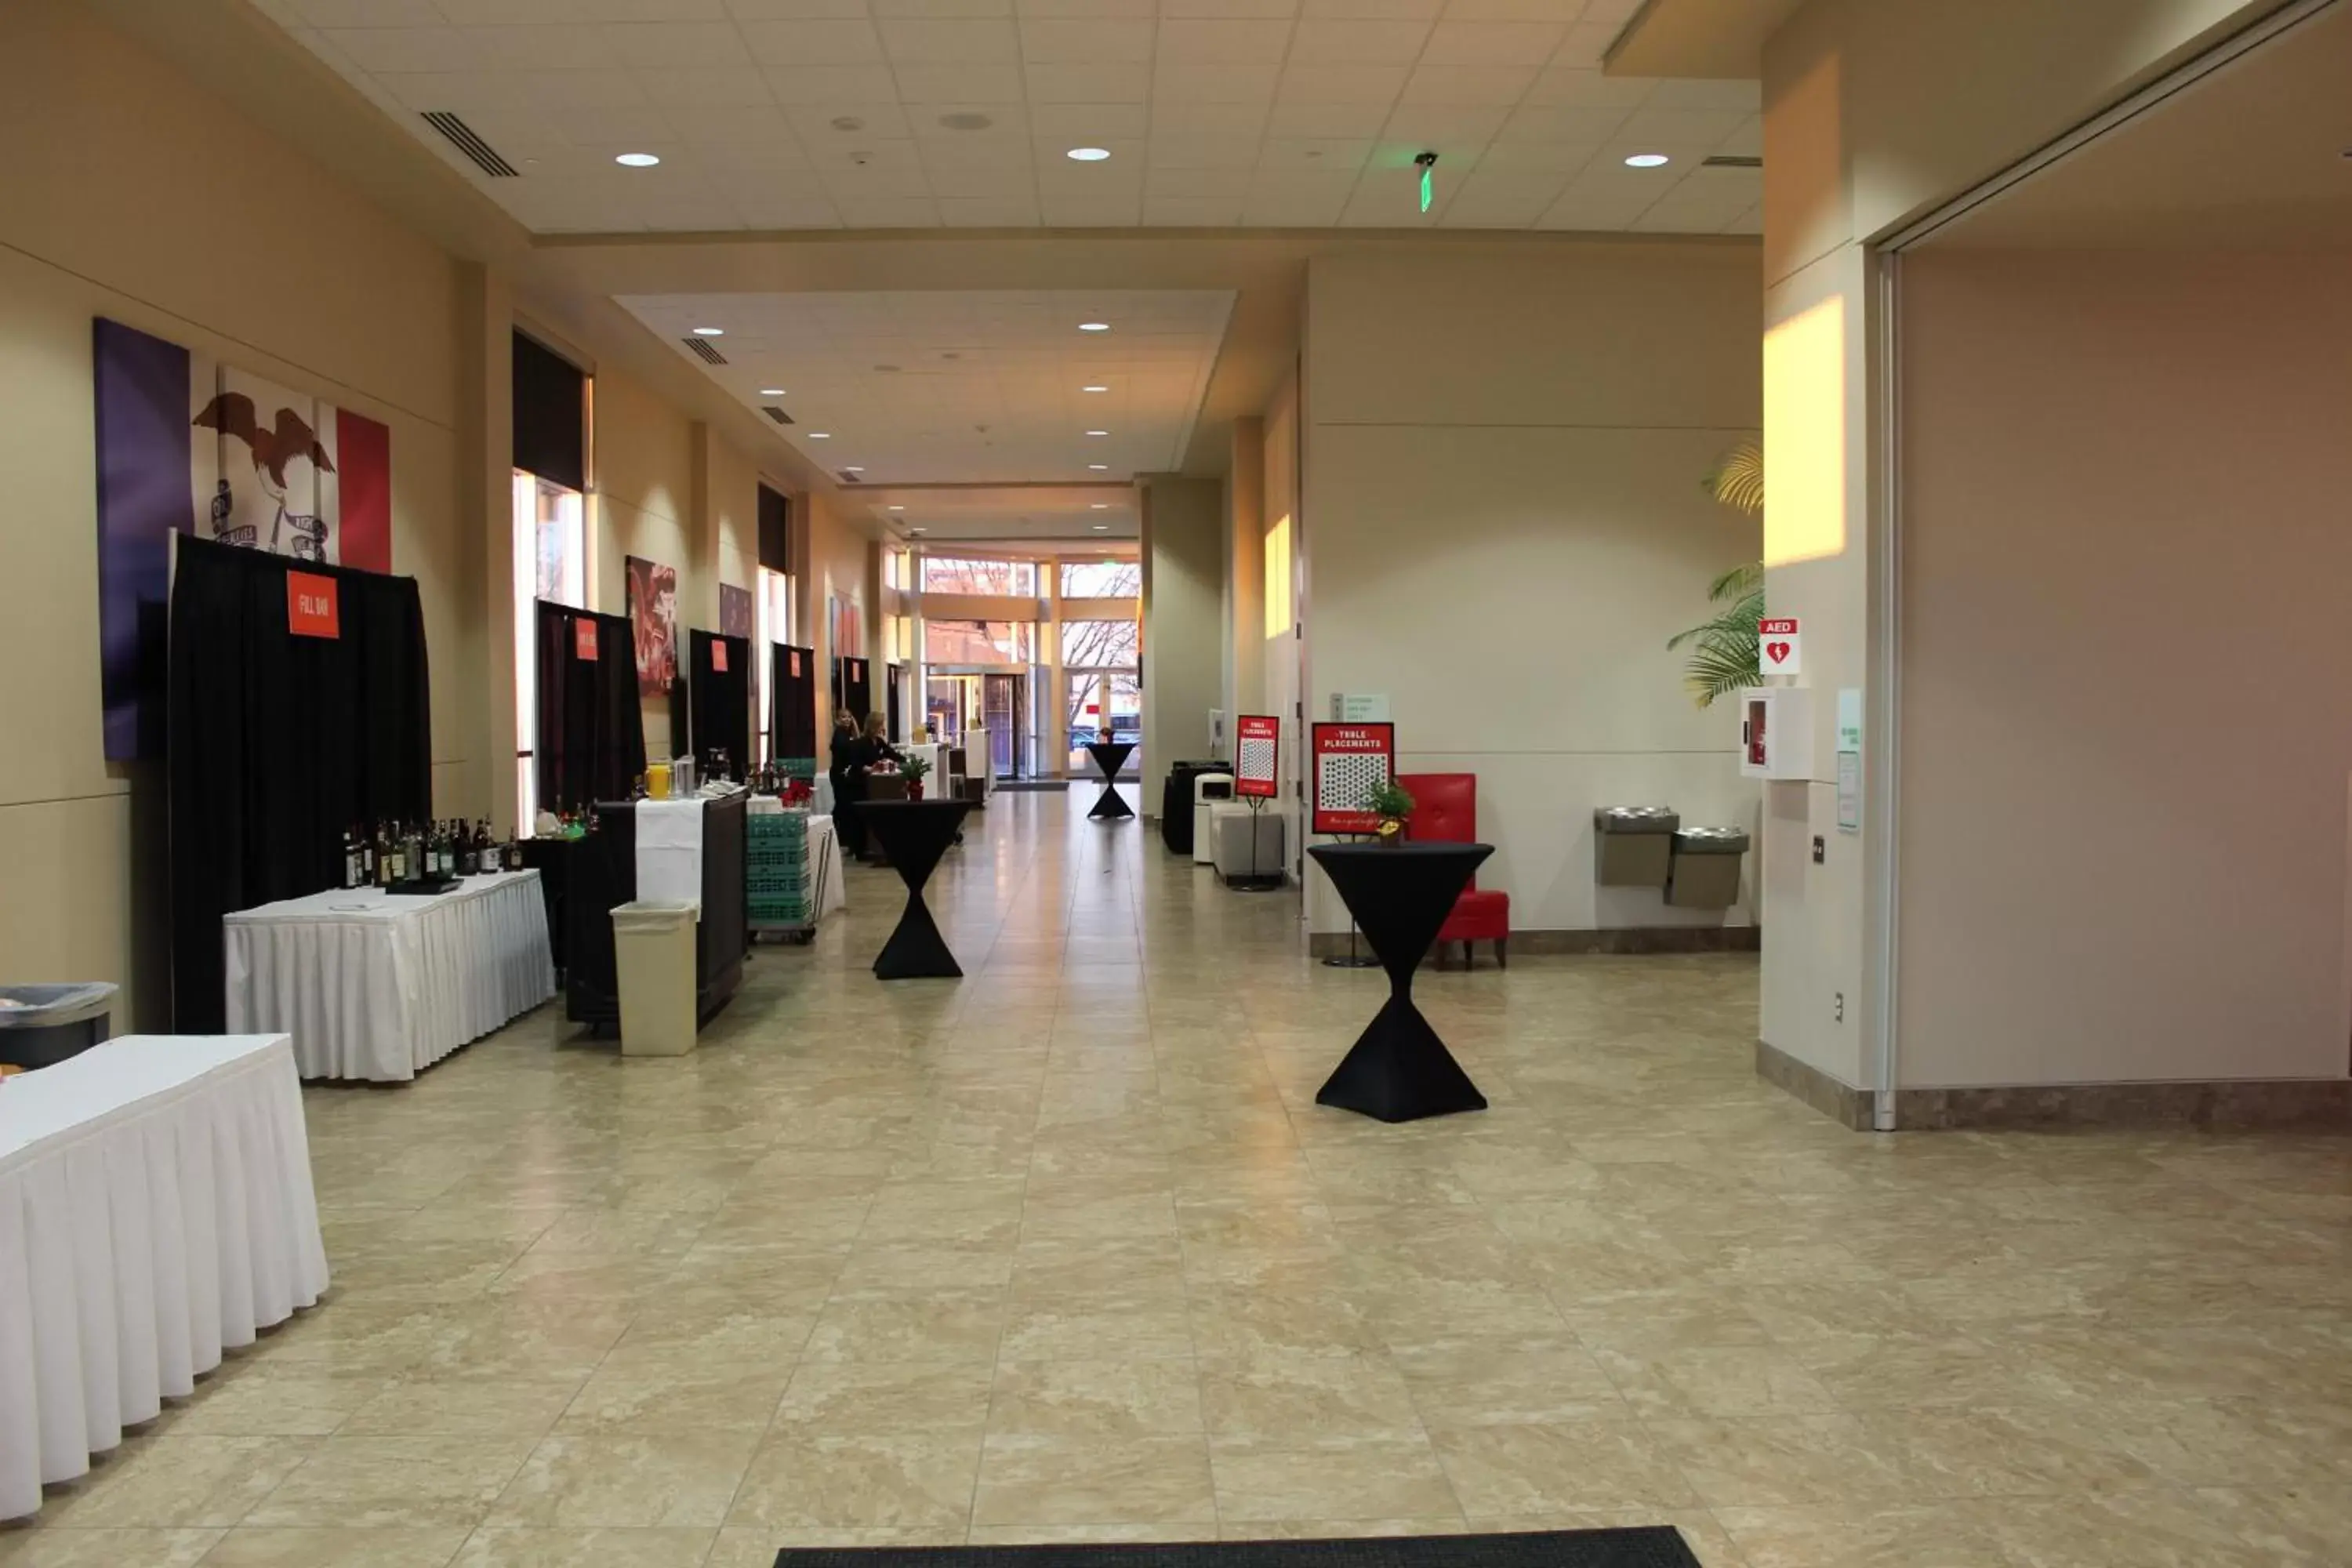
143,468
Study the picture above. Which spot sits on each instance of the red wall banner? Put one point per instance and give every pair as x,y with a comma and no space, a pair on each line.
1350,760
1259,754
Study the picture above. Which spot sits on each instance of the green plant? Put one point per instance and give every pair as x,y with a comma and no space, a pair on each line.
914,768
1388,799
1724,657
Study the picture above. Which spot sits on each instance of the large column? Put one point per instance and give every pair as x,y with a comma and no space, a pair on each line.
1245,595
1182,611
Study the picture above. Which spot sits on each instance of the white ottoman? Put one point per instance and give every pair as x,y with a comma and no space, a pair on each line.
1247,844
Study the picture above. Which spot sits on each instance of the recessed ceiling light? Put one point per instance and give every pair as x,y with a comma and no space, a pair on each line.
772,391
1099,467
851,469
1094,389
637,160
820,435
898,509
1102,527
1098,432
1090,154
919,530
1648,160
1094,326
1100,505
710,331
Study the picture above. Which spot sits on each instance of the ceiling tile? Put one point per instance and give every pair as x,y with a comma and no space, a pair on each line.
619,129
795,10
379,49
1479,86
1221,211
1184,151
948,8
1190,184
370,13
1057,42
647,44
968,42
989,212
1095,82
797,85
1691,93
1750,222
845,125
1357,42
1227,120
1681,127
542,48
813,43
1069,125
1592,214
1582,87
1317,153
1320,121
1587,44
1065,210
743,87
1340,84
760,211
938,84
1225,42
1561,11
1200,82
1494,200
1448,128
740,122
1223,9
1452,43
1747,142
1524,158
1375,10
1575,125
1086,10
879,211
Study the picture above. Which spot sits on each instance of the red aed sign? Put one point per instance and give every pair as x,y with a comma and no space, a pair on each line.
718,658
584,641
1260,751
311,610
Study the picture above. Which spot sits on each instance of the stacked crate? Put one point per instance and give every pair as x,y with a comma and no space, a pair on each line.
775,871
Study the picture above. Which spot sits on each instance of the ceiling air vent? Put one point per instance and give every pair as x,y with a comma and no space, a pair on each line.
463,138
849,478
703,350
1731,161
776,413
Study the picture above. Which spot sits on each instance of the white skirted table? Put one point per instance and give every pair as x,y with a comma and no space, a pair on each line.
156,1208
374,986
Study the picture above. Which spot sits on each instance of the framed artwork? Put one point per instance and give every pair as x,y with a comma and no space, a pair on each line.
653,620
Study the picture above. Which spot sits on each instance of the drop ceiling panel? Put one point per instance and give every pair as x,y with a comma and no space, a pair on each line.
965,389
968,108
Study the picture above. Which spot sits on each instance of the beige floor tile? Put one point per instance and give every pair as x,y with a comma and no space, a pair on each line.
630,1480
1303,1396
1701,1533
693,1397
174,1481
274,1401
1830,1536
1110,1399
1092,1480
1498,1472
1340,1529
1374,1478
887,1396
250,1547
462,1406
827,1481
25,1547
502,1546
1129,1533
951,1324
755,1546
1781,1460
410,1481
1529,1379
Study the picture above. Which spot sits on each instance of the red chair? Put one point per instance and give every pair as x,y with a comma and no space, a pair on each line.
1445,811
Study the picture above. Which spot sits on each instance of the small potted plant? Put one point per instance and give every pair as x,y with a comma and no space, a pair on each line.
1388,801
913,770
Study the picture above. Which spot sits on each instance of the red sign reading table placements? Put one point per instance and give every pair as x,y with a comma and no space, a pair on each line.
1350,760
1260,751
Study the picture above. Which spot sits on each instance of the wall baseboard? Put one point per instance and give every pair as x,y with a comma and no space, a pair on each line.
1841,1102
2324,1103
1557,944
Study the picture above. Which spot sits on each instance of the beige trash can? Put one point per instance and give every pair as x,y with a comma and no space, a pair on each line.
653,955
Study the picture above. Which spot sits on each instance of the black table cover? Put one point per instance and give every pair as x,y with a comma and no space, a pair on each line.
1399,1070
915,834
1110,756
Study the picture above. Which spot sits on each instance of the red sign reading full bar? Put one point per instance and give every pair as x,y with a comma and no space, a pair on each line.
312,609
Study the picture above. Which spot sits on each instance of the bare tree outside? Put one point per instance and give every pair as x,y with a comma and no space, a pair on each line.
952,575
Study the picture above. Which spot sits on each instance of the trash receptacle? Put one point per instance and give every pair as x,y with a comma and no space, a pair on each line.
653,957
1632,845
1705,873
41,1026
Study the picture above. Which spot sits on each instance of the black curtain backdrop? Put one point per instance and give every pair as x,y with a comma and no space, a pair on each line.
549,407
891,704
278,744
721,702
591,729
792,717
853,687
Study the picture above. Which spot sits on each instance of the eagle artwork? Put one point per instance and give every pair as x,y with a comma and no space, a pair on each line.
273,446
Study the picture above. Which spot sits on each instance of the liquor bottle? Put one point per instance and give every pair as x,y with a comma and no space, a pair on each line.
395,856
441,867
485,851
430,836
367,860
412,853
351,861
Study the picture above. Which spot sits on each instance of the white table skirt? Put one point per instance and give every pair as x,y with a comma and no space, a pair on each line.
825,875
373,986
156,1208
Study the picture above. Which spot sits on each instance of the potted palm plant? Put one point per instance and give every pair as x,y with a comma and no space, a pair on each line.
1723,656
914,769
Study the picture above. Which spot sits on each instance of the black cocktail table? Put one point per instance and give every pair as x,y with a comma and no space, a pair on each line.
1110,756
1398,1069
915,834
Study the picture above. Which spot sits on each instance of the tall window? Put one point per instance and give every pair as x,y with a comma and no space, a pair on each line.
948,574
551,555
1101,579
1278,606
1101,657
772,604
978,642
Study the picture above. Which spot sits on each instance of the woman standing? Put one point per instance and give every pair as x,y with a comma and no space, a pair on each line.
846,769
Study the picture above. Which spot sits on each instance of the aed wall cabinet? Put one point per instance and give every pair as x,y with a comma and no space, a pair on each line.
1775,732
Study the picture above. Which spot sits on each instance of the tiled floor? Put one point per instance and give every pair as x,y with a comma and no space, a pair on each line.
1066,1248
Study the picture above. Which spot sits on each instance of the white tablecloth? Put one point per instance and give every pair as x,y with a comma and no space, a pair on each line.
155,1207
379,987
827,880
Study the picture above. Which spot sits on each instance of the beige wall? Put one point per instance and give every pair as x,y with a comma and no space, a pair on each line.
843,559
130,193
1506,521
646,467
1877,110
2127,681
1183,620
1244,585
